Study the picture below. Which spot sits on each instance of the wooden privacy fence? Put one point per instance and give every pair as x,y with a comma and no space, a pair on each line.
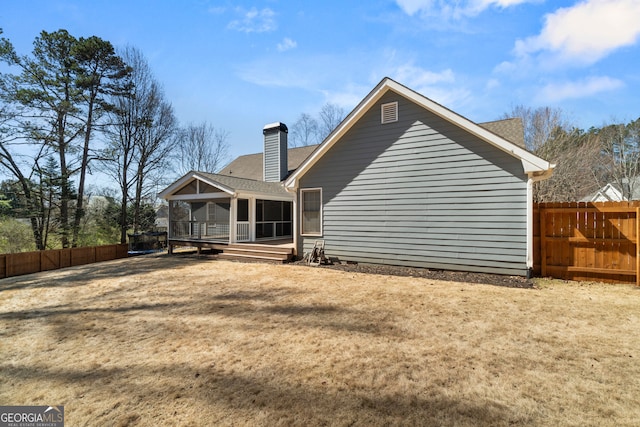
587,241
33,262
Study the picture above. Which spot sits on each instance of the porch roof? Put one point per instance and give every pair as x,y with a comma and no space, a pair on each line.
245,184
228,184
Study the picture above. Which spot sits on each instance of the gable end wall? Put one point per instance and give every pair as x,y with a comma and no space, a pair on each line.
420,192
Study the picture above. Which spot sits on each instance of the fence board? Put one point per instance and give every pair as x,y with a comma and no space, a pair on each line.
82,256
49,260
34,262
23,263
105,253
588,241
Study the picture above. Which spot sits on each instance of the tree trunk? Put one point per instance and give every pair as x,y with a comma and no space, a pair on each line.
83,173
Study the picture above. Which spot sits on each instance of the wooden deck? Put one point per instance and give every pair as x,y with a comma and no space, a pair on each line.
280,250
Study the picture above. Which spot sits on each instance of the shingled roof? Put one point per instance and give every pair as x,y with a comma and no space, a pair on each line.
250,166
510,129
245,184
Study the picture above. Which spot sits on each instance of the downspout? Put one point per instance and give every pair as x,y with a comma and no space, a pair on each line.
533,177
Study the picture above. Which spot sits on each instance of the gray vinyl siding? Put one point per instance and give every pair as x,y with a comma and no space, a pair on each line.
420,192
275,156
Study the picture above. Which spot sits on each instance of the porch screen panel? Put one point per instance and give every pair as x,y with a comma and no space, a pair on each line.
243,210
273,219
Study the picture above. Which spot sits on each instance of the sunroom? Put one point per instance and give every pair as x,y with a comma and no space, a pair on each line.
210,208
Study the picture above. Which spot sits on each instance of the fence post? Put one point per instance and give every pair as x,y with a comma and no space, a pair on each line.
543,243
637,246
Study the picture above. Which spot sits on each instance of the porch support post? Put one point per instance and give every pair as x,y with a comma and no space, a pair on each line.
252,219
233,214
169,215
294,225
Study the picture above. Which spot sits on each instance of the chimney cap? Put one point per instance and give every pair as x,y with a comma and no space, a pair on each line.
277,125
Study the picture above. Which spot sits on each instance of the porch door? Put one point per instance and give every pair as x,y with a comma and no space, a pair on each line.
243,226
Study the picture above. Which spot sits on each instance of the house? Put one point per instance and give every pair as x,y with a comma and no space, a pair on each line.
613,192
402,181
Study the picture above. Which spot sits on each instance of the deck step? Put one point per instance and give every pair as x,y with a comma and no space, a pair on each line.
264,257
255,252
258,249
241,251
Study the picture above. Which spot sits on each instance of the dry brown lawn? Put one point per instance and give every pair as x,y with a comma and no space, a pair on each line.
161,340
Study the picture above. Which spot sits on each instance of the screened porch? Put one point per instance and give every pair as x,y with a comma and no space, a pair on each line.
230,220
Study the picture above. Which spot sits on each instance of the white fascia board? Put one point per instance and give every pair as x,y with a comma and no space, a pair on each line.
256,195
200,197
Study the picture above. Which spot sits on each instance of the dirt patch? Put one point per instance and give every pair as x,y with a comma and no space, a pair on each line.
450,276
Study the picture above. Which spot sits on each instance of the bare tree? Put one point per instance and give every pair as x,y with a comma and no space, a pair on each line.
154,151
304,131
141,129
307,130
330,117
620,145
550,135
202,148
539,124
578,157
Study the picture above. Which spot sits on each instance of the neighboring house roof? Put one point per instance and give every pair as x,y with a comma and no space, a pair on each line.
533,165
612,192
228,184
251,166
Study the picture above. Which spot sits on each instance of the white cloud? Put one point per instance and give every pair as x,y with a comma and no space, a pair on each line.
586,32
492,84
556,92
456,9
440,86
410,7
287,44
254,21
412,76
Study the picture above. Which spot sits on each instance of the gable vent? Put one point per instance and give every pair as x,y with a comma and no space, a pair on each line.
389,112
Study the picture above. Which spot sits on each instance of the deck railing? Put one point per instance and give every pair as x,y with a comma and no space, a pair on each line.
199,230
273,229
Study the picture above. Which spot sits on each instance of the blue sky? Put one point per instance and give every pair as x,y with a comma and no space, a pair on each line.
241,65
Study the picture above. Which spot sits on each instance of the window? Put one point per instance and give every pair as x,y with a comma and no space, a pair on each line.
311,211
389,113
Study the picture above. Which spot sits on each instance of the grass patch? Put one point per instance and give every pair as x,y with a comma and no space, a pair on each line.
184,341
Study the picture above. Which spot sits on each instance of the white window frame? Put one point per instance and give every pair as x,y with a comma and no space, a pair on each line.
302,192
393,105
